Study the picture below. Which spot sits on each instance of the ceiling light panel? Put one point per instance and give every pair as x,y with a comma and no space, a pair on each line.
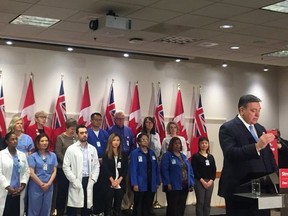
34,21
282,53
281,7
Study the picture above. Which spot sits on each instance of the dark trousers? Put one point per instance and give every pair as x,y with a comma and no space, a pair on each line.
238,206
143,203
63,185
84,211
98,194
113,202
12,206
203,198
176,202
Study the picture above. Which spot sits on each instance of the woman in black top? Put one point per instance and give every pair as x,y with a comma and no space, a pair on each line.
204,168
114,167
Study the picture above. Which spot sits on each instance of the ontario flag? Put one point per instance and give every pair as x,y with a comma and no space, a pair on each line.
84,115
2,114
28,110
135,122
59,117
179,118
108,120
199,127
159,117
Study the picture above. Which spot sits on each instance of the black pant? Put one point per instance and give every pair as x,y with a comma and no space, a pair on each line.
63,185
98,195
143,202
113,201
71,211
176,202
12,206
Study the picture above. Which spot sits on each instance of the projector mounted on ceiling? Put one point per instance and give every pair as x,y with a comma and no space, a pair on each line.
111,20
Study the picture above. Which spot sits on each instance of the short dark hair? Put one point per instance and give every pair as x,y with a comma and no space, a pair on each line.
245,99
140,135
201,139
6,138
80,126
70,123
171,143
95,114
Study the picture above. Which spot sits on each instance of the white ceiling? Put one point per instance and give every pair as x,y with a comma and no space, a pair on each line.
255,31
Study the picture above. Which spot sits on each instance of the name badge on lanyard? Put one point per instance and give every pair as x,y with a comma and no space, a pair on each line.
119,165
140,158
207,163
45,166
98,144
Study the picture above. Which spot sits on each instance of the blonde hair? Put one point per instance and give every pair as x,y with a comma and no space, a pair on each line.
13,123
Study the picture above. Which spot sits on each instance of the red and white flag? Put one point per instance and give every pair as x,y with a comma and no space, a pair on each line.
2,113
28,110
84,115
159,117
135,122
179,118
108,120
199,127
59,117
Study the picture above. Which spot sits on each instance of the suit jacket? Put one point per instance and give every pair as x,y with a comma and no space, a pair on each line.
108,169
241,159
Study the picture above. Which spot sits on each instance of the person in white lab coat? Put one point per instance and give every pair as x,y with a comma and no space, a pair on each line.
81,167
14,175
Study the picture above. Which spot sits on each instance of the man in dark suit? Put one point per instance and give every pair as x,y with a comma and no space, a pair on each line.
246,156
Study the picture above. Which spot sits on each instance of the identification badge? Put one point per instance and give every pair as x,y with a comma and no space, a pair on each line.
127,142
153,157
119,165
173,161
207,162
98,144
140,159
45,166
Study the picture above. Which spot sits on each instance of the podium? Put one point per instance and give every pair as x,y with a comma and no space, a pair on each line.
277,200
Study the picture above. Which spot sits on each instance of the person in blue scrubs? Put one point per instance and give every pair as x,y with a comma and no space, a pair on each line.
144,176
43,168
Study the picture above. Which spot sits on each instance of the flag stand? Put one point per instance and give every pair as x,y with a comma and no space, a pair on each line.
156,204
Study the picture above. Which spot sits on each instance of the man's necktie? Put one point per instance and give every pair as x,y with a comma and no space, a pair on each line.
252,131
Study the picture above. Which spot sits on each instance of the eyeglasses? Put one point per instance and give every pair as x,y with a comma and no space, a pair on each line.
119,119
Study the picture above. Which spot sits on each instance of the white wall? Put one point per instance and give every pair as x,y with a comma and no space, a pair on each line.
220,88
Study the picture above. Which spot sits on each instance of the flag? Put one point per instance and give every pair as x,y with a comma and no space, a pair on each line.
135,122
27,113
84,115
199,128
2,114
179,119
159,117
59,117
108,120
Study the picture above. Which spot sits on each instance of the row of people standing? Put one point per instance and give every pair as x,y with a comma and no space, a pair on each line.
98,138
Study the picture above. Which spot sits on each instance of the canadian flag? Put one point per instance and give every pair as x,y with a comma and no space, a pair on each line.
108,120
135,122
179,118
28,110
2,113
84,115
159,117
59,117
199,127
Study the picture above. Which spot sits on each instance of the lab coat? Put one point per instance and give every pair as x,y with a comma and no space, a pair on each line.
6,167
72,168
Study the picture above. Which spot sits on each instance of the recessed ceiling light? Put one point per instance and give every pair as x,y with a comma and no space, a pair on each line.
281,7
70,49
226,26
34,21
265,69
126,55
178,60
9,42
235,47
224,65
